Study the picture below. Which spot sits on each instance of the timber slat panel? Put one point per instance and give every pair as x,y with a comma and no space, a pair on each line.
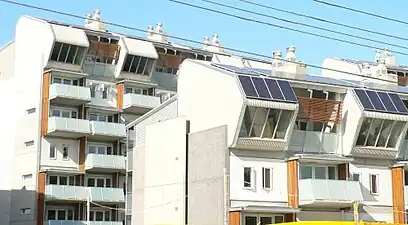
320,110
104,49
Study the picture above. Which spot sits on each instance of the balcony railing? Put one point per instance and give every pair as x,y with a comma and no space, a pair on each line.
76,94
105,162
329,193
320,110
129,203
79,222
108,129
59,125
313,142
135,102
94,68
80,193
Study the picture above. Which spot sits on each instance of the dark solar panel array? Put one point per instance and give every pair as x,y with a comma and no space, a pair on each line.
267,89
379,101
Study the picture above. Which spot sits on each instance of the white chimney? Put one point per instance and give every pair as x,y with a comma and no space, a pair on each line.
157,34
94,21
388,58
206,43
290,54
377,56
214,44
277,59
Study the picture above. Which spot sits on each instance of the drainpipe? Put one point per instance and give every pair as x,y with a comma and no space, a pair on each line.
226,196
324,129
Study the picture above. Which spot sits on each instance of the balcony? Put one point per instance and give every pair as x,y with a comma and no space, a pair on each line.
104,49
79,193
313,142
104,163
129,203
69,94
323,193
94,68
320,110
107,131
68,127
139,104
402,81
129,161
79,222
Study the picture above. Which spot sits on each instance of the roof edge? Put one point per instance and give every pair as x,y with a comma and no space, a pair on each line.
151,112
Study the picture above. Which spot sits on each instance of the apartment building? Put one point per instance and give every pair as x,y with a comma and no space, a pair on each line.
72,89
247,143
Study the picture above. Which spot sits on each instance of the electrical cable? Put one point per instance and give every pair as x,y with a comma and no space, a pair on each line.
304,24
184,39
361,12
281,27
323,20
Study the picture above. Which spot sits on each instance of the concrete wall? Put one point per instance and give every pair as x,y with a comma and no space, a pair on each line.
7,61
208,160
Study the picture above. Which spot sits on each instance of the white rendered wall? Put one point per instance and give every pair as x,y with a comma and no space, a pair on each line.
7,61
110,101
208,97
351,122
164,180
58,162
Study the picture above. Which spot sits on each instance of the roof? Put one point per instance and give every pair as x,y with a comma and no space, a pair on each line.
371,63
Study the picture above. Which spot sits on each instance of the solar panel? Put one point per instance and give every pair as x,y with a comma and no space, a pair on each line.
234,69
267,89
381,101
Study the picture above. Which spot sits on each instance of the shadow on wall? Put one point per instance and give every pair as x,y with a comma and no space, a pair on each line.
367,196
17,207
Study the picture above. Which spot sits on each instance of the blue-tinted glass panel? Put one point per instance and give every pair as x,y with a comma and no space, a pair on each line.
235,69
375,100
261,88
389,106
274,89
261,71
398,103
248,86
365,101
287,90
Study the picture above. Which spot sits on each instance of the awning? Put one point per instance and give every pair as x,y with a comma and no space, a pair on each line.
140,48
70,35
386,116
326,158
271,104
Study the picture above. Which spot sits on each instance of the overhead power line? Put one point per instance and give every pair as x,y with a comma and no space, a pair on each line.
303,24
282,27
323,20
360,11
177,38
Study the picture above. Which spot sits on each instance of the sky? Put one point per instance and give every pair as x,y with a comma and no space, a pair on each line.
183,21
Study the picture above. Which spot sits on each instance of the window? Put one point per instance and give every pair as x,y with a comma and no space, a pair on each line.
318,172
93,90
25,211
65,152
29,143
30,111
100,117
53,152
67,53
97,215
379,133
105,93
27,176
138,65
248,174
99,182
63,112
267,178
262,219
355,177
140,91
100,149
61,180
374,181
265,123
67,81
60,214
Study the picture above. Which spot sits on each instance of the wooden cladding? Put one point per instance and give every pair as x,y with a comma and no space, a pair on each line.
82,149
398,202
234,218
342,171
320,110
293,184
41,198
402,81
170,61
121,90
289,217
45,103
104,49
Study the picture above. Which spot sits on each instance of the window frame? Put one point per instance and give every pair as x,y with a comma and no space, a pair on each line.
61,110
65,147
252,182
99,115
97,146
259,215
367,130
148,65
77,58
314,171
94,211
56,210
68,177
95,178
54,149
270,178
377,184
